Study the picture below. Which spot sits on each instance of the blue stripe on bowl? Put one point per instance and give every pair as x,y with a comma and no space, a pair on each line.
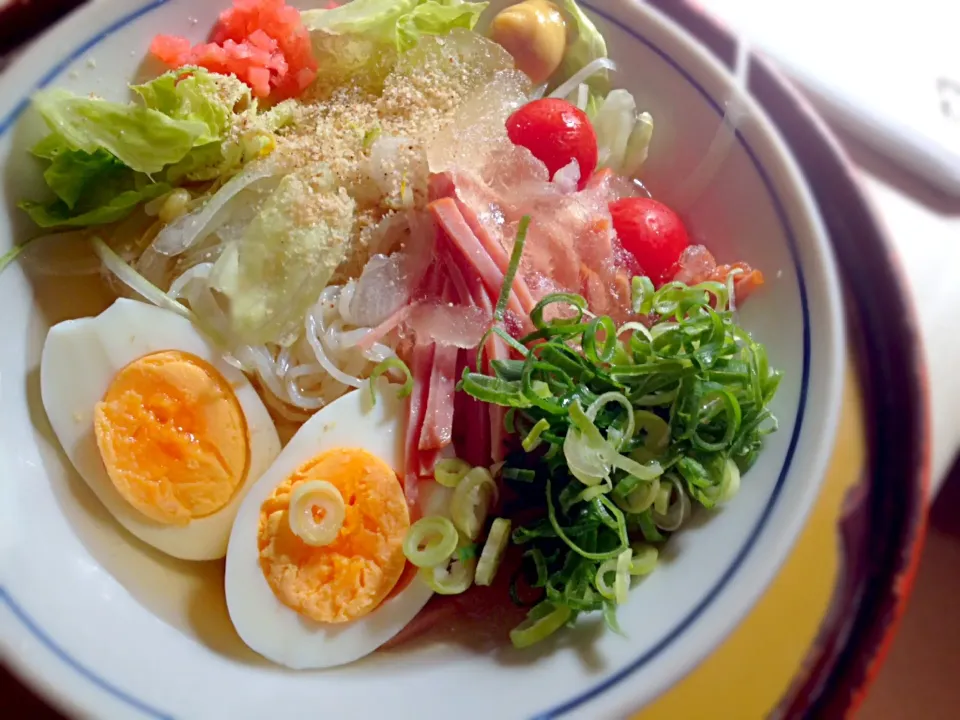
7,122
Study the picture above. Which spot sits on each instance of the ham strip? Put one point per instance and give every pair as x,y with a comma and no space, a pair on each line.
499,256
437,430
384,328
442,185
421,366
450,218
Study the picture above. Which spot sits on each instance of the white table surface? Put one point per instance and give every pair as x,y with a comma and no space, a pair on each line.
924,226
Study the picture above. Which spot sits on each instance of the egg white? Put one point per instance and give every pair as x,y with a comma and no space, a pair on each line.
80,359
278,632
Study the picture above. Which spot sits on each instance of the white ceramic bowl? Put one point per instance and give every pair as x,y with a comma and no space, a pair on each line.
105,626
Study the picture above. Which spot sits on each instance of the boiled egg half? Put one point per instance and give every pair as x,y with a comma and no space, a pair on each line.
165,432
316,575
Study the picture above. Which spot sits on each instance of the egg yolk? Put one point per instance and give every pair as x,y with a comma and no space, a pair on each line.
173,437
352,575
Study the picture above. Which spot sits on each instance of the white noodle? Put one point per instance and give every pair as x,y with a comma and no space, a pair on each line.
313,338
582,75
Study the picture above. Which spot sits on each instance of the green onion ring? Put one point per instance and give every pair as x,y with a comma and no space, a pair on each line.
438,538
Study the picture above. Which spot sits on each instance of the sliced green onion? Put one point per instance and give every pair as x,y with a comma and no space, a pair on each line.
589,554
452,579
656,428
620,567
510,340
621,585
471,501
577,301
636,328
642,291
573,494
511,273
430,541
465,553
619,398
540,566
730,485
393,363
492,553
639,421
610,618
678,510
648,528
532,440
316,512
604,352
541,622
643,561
450,471
662,502
519,474
609,454
634,495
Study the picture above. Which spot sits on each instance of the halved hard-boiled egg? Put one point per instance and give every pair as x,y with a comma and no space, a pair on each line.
316,573
166,434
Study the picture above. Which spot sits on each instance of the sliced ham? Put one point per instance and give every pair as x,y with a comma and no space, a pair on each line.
449,217
437,430
449,324
384,328
499,256
471,429
421,366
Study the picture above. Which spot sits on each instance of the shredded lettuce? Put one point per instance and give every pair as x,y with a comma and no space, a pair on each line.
587,45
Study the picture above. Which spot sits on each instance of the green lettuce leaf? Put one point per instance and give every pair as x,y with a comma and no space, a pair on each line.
588,45
362,39
141,138
436,18
196,95
91,188
101,153
72,172
374,19
107,206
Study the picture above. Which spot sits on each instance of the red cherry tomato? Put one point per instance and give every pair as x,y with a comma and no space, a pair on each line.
556,132
652,233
